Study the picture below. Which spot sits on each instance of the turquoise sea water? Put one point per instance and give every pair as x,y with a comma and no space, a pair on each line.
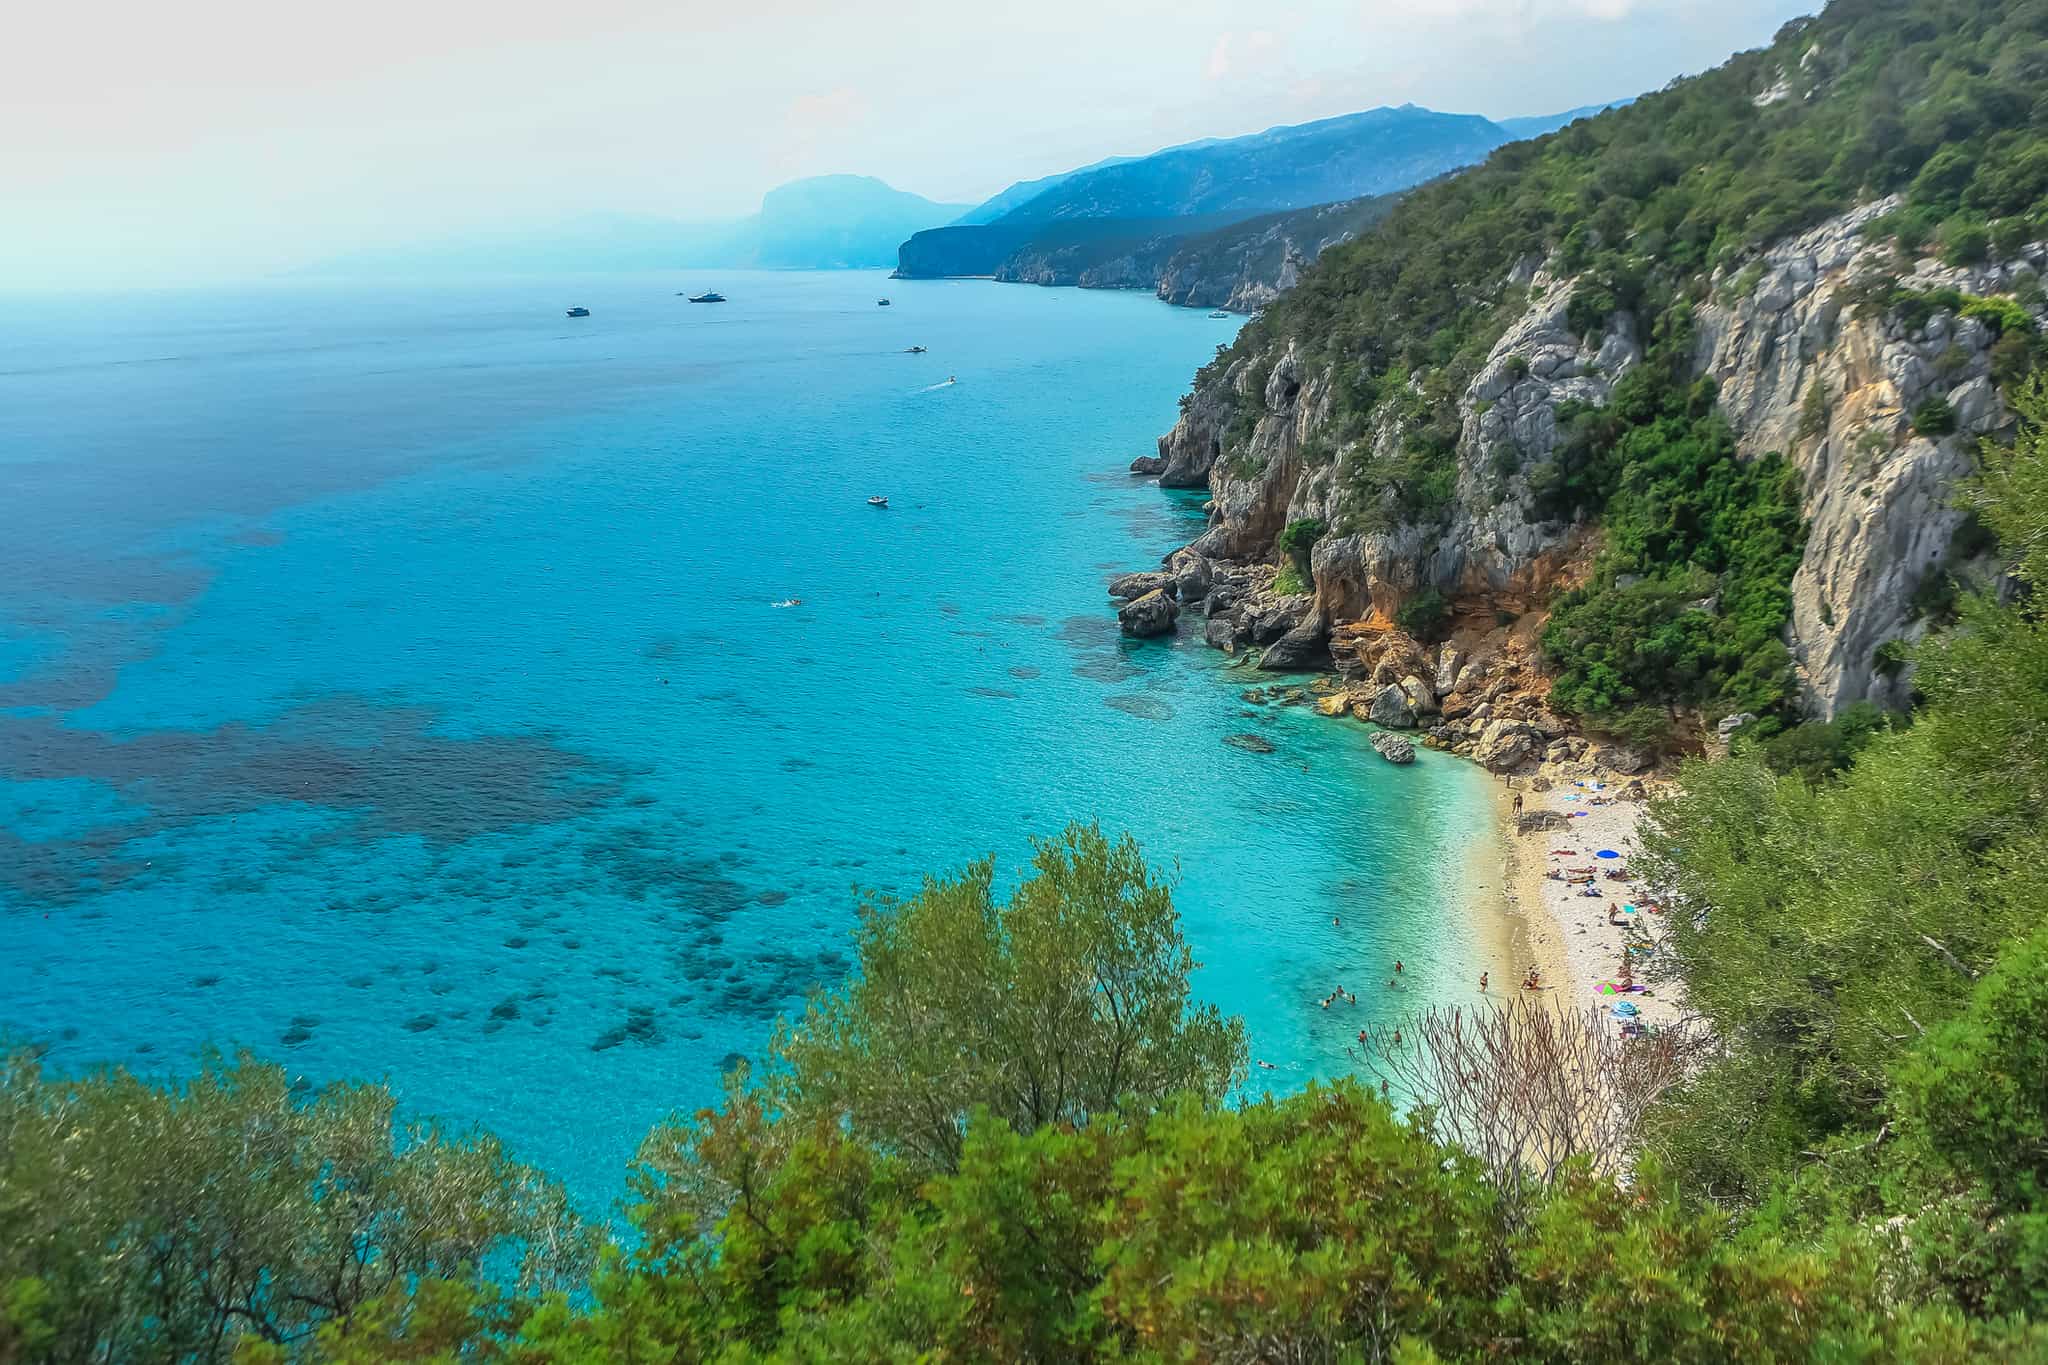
390,681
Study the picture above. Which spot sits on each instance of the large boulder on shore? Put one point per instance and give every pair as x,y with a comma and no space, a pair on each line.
1505,745
1152,614
1390,707
1226,633
1392,747
1192,575
1419,695
1540,821
1150,466
1623,758
1135,585
1277,617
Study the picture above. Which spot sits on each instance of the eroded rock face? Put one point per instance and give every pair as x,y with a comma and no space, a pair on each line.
1304,647
1494,542
1152,614
1878,497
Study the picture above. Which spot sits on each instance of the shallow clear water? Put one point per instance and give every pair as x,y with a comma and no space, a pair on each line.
390,681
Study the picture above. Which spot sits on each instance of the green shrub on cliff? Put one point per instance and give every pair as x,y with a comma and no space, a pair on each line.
1295,543
1688,598
1424,616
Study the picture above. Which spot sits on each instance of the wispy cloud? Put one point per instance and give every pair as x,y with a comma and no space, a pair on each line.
1256,52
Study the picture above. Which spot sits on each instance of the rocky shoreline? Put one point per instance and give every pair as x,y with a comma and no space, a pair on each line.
1477,693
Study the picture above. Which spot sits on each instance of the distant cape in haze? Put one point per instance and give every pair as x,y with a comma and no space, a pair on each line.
823,223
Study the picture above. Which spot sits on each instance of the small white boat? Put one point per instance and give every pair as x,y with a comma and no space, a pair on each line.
791,602
878,501
1219,313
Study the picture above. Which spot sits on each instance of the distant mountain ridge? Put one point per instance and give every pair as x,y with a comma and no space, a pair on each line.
1290,167
996,205
1119,223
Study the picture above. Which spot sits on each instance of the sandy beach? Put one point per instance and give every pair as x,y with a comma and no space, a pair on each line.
1563,933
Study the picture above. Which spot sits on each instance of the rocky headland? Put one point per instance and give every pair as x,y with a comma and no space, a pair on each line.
1821,348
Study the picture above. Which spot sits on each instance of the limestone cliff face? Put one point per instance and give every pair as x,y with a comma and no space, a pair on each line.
1247,265
1879,498
1877,495
1494,545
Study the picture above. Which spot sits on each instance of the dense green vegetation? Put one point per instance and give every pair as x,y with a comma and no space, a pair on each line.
1862,944
1688,598
1940,101
141,1222
1817,749
1295,544
1425,616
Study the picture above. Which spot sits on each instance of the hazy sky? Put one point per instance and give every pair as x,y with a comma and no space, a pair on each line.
152,142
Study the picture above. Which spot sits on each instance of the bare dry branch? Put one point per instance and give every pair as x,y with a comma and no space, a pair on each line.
1528,1087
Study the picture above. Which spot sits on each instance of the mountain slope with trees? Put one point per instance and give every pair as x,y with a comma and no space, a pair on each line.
1561,380
1120,224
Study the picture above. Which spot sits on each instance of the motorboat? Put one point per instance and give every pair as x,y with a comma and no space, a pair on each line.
878,501
915,350
579,312
709,296
1219,313
881,303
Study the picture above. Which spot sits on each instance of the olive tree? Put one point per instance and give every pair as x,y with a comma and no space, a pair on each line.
173,1221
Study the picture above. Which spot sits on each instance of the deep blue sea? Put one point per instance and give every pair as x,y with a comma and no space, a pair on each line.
391,681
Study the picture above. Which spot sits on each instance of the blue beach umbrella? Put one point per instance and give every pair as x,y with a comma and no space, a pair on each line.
1626,1010
1606,853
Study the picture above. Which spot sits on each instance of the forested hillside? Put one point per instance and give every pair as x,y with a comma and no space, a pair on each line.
1616,374
1227,221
